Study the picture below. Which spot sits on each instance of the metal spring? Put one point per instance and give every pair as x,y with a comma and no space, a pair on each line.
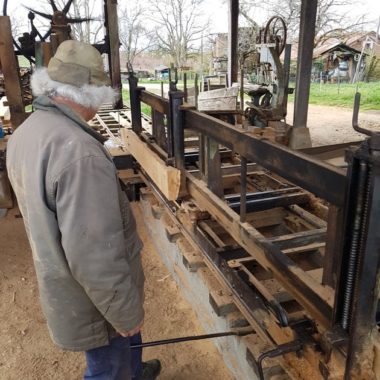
355,245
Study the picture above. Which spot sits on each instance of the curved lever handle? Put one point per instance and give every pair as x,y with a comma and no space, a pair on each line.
355,117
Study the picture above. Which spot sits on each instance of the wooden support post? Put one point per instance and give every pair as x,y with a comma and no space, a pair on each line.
9,67
112,38
334,245
158,128
43,54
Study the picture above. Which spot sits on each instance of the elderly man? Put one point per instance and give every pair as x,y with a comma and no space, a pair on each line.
85,246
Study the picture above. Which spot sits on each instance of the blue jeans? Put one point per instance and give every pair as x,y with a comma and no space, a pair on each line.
115,361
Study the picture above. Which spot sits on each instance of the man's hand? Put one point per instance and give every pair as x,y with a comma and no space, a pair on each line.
132,332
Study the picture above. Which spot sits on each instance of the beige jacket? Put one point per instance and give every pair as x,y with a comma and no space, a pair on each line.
83,235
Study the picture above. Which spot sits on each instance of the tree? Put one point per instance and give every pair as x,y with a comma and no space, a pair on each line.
181,24
134,35
333,16
87,31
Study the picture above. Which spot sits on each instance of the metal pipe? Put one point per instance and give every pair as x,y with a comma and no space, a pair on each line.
242,332
278,351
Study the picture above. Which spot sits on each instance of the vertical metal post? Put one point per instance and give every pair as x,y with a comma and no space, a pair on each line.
185,86
287,58
213,169
201,162
176,117
196,90
112,38
305,60
242,89
134,93
243,189
233,28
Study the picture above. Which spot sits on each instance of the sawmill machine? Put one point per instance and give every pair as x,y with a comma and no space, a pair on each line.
293,239
269,88
38,46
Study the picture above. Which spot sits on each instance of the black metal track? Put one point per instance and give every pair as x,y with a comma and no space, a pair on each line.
325,181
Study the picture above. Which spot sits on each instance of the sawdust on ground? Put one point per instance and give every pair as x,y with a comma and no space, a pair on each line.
27,351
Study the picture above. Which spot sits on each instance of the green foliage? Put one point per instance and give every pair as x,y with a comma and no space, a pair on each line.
331,94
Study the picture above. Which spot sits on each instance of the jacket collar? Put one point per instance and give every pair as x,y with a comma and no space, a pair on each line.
47,104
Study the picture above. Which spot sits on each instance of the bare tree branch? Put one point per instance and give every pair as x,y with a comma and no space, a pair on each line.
180,24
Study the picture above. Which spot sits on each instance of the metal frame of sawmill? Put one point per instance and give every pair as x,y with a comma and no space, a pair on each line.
44,51
260,212
328,271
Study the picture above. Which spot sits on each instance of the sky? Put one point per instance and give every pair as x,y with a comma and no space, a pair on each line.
218,11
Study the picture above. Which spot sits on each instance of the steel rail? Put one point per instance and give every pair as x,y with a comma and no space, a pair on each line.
321,179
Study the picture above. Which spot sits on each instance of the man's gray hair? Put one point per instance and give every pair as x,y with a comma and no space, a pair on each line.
88,95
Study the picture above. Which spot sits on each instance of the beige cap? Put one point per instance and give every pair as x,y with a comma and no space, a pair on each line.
77,63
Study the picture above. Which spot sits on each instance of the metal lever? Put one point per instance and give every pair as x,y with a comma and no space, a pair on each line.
355,117
237,332
278,351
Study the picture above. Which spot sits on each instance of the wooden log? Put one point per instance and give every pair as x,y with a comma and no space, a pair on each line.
166,178
9,67
112,22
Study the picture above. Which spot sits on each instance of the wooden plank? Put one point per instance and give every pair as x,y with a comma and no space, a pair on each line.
213,171
314,297
304,248
299,239
156,102
166,178
310,218
112,35
334,245
9,67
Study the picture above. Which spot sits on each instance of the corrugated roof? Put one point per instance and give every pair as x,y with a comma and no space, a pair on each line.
326,48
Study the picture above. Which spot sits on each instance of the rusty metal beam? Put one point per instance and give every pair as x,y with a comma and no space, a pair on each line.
233,27
112,37
305,61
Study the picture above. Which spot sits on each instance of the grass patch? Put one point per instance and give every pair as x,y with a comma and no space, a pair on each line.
331,94
145,109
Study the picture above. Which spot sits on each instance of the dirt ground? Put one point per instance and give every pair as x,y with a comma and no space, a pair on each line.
333,125
26,350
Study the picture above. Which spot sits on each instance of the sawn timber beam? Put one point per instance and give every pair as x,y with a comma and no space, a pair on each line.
313,296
